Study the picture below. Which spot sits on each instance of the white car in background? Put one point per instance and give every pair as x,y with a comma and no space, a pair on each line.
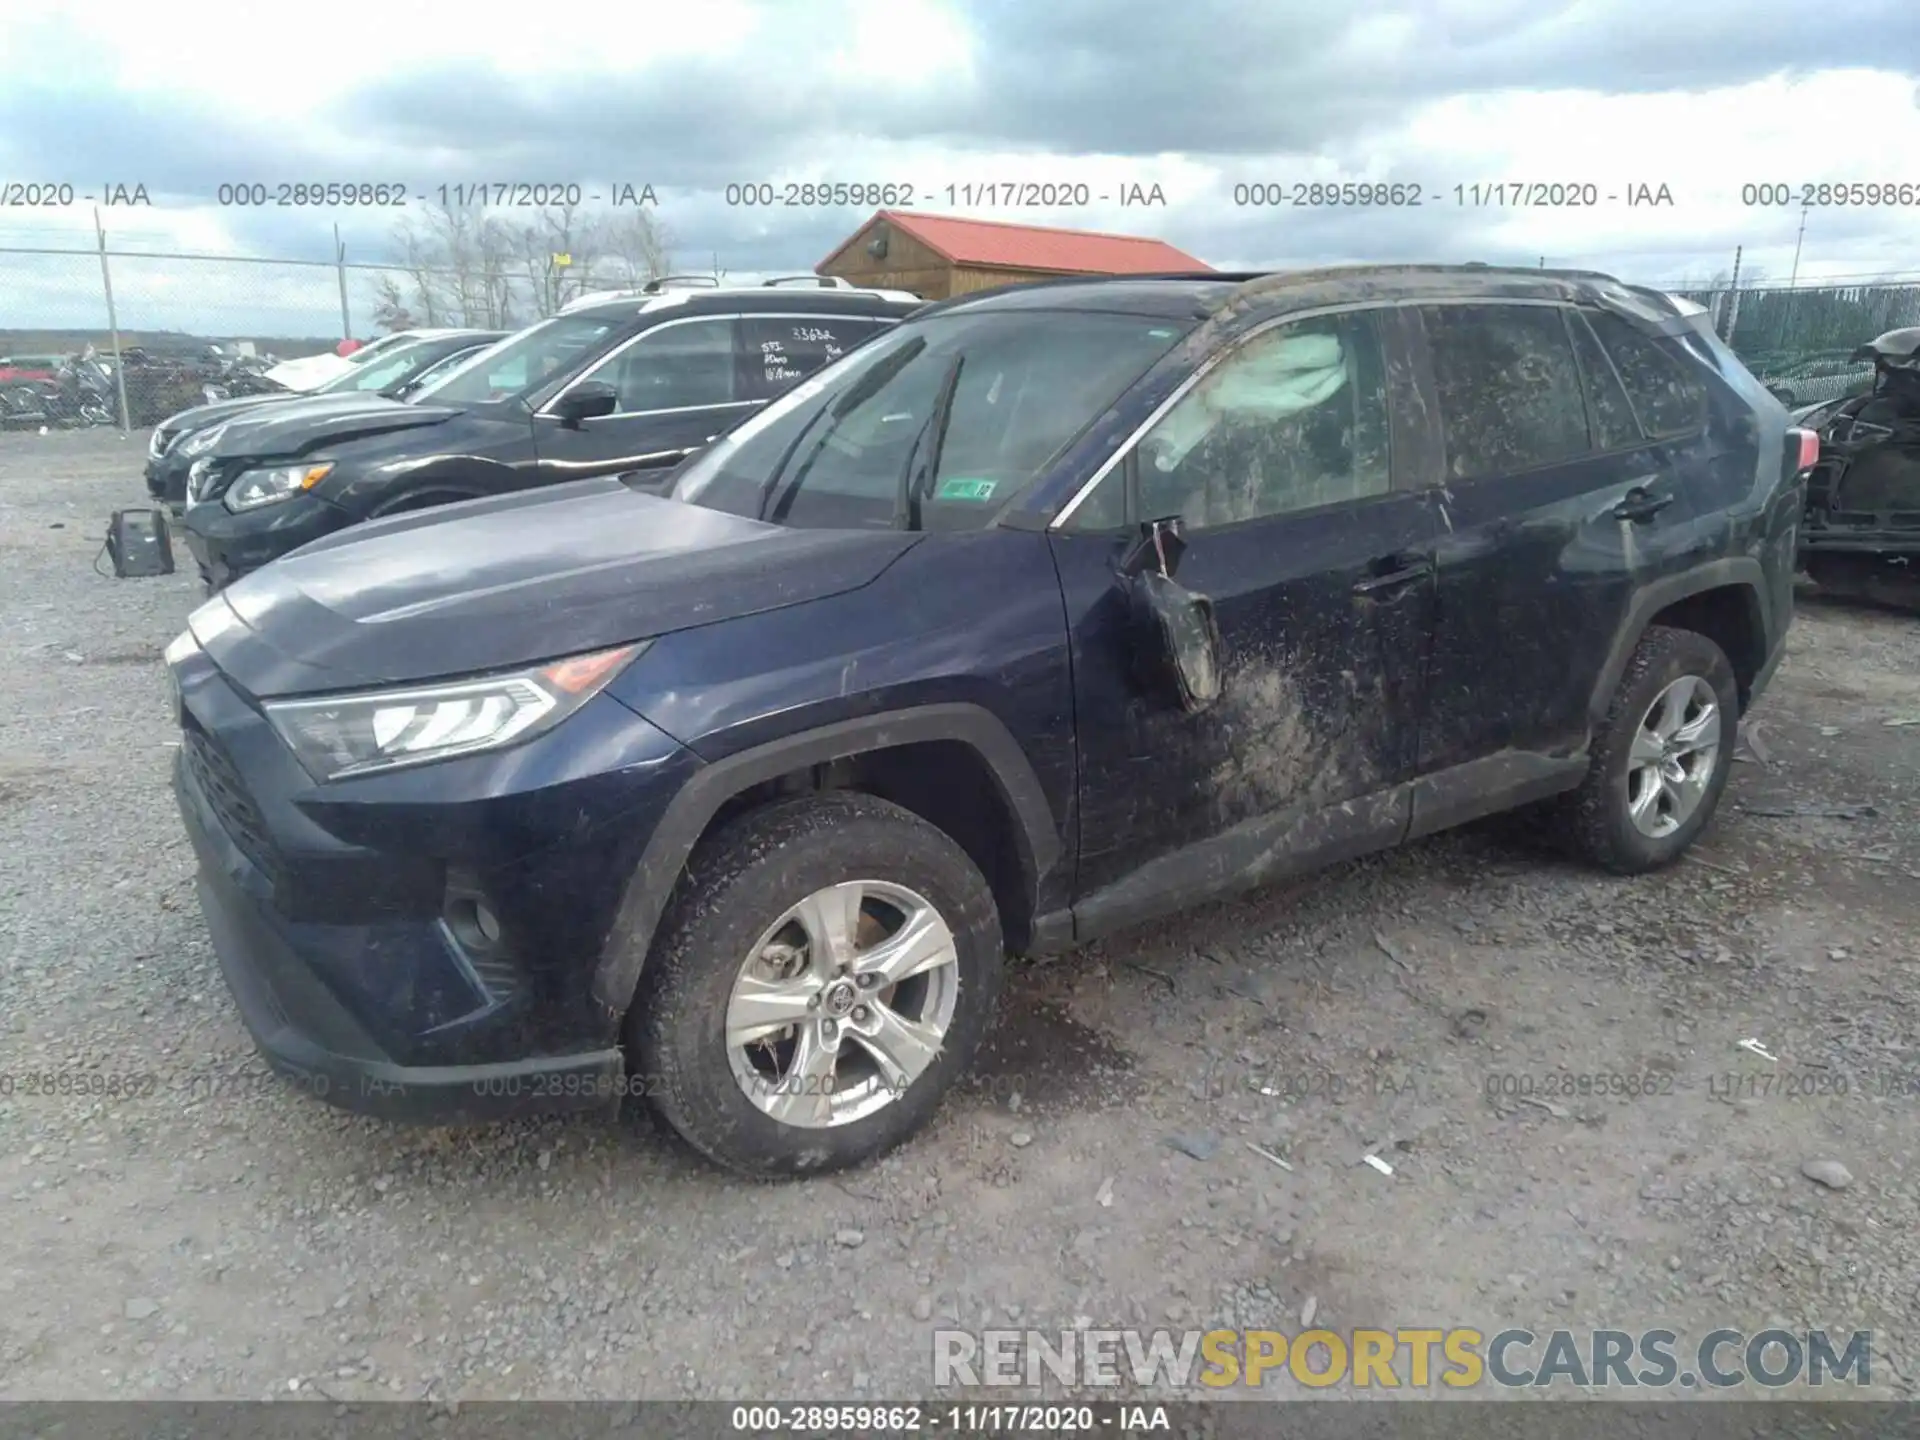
310,372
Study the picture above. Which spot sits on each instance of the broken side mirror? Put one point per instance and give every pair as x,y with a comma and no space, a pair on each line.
1173,633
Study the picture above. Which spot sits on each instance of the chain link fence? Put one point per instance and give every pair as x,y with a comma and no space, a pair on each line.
1800,339
55,300
160,312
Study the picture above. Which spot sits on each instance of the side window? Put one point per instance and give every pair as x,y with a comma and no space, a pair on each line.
1614,425
1509,388
1667,399
1293,419
779,350
675,366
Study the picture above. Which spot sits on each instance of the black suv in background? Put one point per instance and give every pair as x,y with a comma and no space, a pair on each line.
1054,610
629,383
394,373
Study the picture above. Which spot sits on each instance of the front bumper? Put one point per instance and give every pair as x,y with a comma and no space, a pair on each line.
328,906
226,545
166,477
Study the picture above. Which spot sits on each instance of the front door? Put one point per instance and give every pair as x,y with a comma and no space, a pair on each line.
1279,462
679,384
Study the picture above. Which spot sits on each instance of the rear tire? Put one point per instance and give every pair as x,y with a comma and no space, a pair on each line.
762,1039
1661,757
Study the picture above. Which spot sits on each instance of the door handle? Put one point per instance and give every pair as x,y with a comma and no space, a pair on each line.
1406,570
1641,505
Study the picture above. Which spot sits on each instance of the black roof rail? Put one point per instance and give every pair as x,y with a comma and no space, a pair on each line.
822,282
700,282
1053,282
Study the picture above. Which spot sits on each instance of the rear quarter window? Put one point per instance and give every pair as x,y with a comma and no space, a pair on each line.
1668,398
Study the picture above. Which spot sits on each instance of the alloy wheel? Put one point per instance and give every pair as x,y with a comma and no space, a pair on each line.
842,1003
1673,756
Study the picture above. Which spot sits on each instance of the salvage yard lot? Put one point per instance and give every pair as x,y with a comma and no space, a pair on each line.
215,1233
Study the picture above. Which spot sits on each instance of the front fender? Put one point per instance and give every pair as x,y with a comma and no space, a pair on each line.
624,954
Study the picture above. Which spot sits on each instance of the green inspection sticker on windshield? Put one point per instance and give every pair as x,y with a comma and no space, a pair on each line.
960,488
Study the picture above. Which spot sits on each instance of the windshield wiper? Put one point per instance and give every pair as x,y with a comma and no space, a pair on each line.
906,500
861,391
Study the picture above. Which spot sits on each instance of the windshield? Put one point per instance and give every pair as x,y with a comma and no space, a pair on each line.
522,362
995,395
446,365
387,368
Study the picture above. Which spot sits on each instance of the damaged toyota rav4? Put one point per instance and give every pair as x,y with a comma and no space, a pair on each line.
1056,609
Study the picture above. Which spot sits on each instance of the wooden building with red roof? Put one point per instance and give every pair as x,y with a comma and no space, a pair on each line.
940,256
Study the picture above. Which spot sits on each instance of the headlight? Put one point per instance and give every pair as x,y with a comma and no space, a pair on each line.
255,488
202,441
342,735
162,438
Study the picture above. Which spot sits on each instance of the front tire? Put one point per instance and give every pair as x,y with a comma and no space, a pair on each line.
824,972
1662,756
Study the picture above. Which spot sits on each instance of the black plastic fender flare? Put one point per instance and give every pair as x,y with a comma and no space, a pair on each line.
624,953
1739,570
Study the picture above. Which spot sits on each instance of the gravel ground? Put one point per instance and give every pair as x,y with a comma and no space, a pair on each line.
226,1237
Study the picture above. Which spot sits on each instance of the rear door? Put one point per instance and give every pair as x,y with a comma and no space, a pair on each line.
780,350
1555,508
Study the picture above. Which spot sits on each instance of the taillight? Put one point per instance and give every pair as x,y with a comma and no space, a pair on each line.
1807,449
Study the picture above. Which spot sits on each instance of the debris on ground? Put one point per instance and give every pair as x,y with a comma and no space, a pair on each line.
1750,742
1377,1163
1199,1147
1830,1173
1813,812
1266,1154
1754,1047
1559,1112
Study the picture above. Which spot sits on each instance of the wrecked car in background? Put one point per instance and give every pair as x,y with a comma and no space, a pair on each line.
1051,610
1861,535
396,373
636,382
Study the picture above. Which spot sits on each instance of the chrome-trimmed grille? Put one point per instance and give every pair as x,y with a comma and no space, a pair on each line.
219,780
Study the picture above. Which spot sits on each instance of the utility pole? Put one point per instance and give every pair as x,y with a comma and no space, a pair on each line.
1786,311
113,324
340,271
1733,308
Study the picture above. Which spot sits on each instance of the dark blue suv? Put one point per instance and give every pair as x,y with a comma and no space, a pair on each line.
1053,610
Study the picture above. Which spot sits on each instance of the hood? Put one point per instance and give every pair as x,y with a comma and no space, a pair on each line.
201,416
520,578
324,420
1896,347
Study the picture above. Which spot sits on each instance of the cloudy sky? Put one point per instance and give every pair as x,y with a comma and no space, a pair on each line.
1700,96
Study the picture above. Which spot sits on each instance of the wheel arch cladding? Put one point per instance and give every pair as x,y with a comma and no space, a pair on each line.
1724,600
1005,822
1731,617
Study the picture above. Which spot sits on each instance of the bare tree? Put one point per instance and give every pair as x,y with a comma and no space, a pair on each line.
637,246
468,267
390,311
